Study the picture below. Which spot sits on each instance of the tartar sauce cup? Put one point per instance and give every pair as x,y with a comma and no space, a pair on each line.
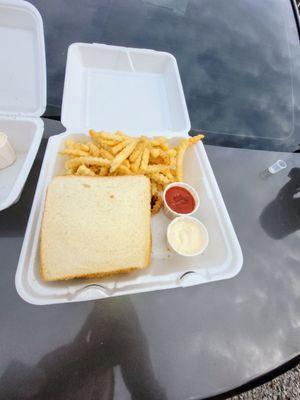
187,236
171,213
7,153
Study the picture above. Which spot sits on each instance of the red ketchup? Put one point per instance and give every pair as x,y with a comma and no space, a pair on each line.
180,200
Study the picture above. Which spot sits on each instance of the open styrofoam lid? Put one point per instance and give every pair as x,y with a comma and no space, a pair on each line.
111,88
23,65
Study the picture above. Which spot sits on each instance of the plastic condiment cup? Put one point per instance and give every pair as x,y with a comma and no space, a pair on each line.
202,229
168,210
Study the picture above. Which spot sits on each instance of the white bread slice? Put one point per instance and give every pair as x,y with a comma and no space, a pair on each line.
95,226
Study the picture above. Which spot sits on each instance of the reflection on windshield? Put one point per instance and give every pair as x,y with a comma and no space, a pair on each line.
238,59
240,81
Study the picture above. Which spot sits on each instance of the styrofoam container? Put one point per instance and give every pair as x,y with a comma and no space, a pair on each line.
139,92
22,91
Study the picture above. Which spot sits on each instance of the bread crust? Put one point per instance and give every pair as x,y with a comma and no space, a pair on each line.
95,275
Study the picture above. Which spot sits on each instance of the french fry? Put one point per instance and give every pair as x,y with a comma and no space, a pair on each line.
156,203
110,136
84,147
105,154
125,153
70,144
160,187
94,151
156,168
156,161
123,170
105,146
135,166
76,162
164,156
160,142
96,136
95,168
195,139
172,161
160,178
84,171
155,152
167,173
139,149
126,163
179,159
172,153
103,171
120,146
145,160
153,187
93,134
107,142
120,133
73,152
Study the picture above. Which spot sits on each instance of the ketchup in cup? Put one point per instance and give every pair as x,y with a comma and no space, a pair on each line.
181,198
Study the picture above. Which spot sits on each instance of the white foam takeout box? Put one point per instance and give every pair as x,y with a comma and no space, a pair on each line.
139,92
22,91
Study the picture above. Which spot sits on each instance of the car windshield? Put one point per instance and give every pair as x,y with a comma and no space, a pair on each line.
238,59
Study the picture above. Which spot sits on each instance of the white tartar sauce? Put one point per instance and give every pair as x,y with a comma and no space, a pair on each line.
187,236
